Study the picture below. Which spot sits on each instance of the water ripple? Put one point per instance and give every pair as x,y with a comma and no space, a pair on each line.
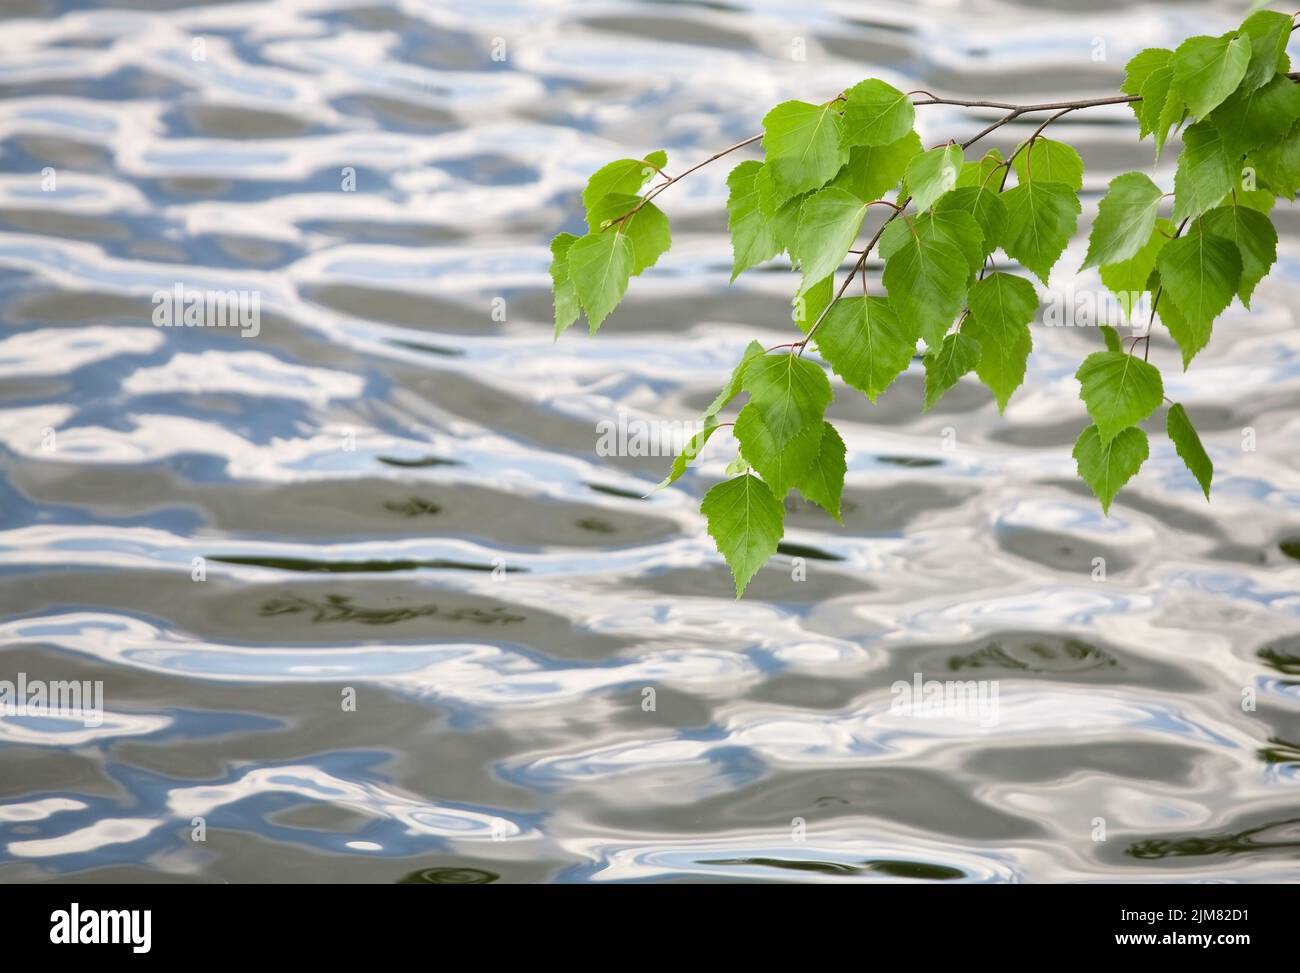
367,604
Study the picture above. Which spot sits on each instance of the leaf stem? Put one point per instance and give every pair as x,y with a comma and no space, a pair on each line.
1026,109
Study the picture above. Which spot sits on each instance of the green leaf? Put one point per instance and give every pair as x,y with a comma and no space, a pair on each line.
1127,280
1141,66
829,222
958,354
1206,172
876,113
1150,76
823,484
1112,338
646,229
625,176
1107,466
1048,161
803,145
770,198
1126,217
1188,444
1200,273
746,522
781,463
733,386
789,392
780,429
1278,165
1260,200
873,170
949,224
1119,391
809,305
600,265
1001,307
987,208
1161,90
1268,31
691,450
977,174
1261,116
865,343
785,224
931,174
1208,69
567,308
1146,64
1255,238
752,238
1041,218
1190,339
926,279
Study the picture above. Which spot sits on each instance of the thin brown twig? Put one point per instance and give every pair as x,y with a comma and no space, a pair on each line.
682,175
1013,112
1026,109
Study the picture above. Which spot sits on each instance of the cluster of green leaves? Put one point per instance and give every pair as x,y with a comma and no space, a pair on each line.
626,234
824,165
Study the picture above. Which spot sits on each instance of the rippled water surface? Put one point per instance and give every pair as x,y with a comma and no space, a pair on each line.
395,487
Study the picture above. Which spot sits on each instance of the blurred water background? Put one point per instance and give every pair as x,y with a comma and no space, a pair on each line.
394,486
